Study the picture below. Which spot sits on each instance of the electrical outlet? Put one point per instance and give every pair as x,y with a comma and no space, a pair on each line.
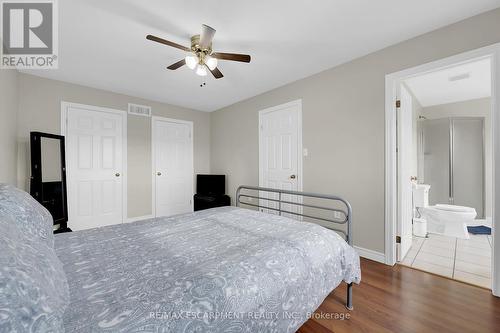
337,215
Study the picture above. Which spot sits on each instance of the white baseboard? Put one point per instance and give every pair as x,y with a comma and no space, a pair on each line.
138,218
370,254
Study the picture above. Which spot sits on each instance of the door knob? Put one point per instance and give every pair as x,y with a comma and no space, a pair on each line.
117,174
293,177
158,173
413,178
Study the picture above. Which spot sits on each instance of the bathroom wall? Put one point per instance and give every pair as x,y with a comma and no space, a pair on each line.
473,108
416,109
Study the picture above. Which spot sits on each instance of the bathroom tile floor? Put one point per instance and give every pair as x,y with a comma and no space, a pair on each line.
467,260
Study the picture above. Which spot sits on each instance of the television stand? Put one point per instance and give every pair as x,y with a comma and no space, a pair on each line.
207,201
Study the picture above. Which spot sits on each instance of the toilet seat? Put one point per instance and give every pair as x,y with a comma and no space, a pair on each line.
457,209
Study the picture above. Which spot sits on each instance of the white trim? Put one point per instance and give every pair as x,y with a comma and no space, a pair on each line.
495,256
139,218
391,82
153,171
300,152
123,115
172,120
390,172
370,254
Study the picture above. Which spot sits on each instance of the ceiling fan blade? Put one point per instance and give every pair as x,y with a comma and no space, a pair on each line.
178,64
207,34
216,72
231,56
167,42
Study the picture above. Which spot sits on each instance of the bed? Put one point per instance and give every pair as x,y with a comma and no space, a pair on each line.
226,269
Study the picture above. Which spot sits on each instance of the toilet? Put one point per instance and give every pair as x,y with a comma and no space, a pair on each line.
448,220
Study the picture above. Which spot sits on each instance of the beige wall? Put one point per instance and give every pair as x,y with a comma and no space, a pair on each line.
40,110
343,123
473,108
8,125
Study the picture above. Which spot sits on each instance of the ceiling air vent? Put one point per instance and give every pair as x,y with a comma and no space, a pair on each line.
139,110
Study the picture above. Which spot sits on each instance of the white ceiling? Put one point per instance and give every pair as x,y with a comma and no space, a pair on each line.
468,81
102,42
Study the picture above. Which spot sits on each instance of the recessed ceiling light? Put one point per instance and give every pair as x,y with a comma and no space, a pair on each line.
459,77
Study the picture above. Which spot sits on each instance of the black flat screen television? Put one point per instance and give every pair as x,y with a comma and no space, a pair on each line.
211,184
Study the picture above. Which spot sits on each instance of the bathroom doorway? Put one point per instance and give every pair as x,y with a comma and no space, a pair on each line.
439,181
449,155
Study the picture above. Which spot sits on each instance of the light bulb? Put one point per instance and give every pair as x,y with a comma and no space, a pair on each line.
191,61
201,70
211,62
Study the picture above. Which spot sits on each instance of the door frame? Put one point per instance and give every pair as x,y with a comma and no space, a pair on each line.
391,82
153,159
123,114
300,154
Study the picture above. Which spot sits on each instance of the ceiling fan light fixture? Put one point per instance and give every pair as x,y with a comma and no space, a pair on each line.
201,70
211,62
199,57
191,61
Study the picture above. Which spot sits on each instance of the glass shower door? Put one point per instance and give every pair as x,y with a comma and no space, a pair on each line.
436,151
453,161
468,163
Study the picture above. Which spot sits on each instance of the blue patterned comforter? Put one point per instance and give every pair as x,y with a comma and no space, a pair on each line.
219,270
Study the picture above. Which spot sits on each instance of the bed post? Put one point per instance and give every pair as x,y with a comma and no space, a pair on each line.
237,203
348,304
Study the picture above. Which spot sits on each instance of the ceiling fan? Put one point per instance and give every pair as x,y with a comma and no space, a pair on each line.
200,55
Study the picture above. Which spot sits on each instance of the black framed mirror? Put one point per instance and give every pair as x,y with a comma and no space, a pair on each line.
48,175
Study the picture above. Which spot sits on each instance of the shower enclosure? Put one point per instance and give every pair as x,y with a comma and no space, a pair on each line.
451,160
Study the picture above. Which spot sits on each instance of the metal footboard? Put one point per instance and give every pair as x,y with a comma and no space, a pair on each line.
339,215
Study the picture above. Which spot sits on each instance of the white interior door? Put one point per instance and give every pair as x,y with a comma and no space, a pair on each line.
94,155
280,154
405,167
172,166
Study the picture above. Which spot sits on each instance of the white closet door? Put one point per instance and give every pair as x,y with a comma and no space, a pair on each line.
173,167
280,151
94,158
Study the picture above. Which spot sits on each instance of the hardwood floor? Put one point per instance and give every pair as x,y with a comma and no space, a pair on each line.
404,300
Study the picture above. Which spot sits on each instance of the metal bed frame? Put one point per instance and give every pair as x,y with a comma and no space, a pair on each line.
346,215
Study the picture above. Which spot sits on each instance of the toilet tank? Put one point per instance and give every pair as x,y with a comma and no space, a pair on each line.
421,195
